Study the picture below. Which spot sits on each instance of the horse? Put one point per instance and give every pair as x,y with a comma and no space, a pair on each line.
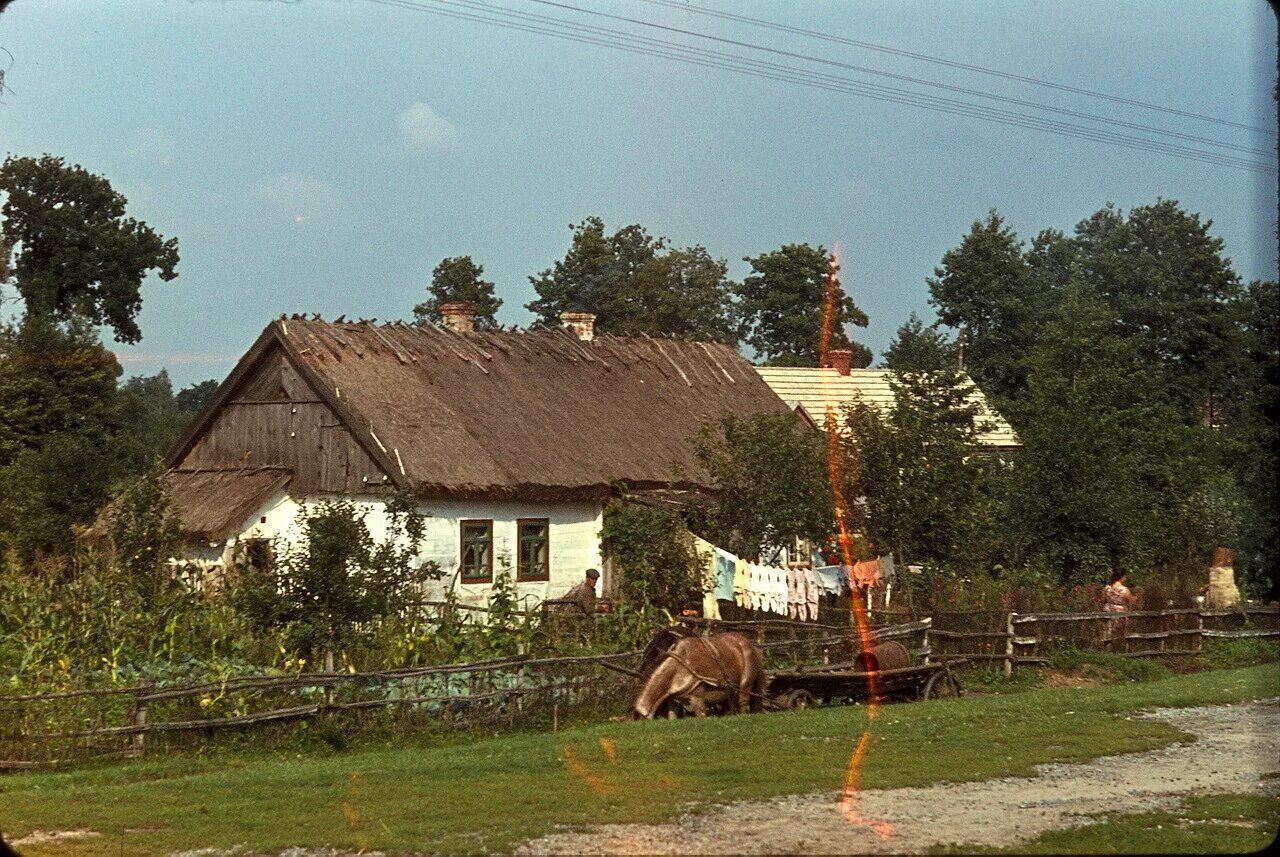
721,668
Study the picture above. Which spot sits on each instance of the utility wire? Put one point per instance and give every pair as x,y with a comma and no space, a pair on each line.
902,77
872,46
571,31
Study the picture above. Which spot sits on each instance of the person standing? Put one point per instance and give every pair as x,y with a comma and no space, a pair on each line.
583,596
1117,598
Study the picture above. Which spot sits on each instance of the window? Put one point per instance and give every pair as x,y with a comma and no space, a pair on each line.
477,551
533,549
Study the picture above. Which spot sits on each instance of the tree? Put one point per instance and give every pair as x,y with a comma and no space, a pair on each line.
1164,277
334,577
923,482
654,555
635,283
917,348
73,253
983,288
155,416
781,305
759,503
458,278
1110,474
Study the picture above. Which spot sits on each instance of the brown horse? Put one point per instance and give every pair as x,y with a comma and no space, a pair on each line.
703,670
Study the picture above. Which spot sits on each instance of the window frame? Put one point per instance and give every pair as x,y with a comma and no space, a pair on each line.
462,551
521,575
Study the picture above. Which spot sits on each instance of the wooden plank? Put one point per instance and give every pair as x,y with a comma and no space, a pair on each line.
1243,632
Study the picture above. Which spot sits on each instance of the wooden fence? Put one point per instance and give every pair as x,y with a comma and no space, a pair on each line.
1012,638
50,729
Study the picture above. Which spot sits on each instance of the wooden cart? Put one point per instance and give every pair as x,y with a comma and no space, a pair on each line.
799,689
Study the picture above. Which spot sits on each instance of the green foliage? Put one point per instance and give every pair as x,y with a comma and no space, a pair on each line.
1226,652
323,586
1110,473
54,380
145,533
1108,665
984,288
75,254
46,493
781,305
657,566
759,503
926,489
458,278
917,348
635,283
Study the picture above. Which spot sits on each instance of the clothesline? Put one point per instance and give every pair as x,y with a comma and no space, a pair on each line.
791,592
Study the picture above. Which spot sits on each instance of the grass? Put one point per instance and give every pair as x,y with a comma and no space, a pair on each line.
489,795
1206,824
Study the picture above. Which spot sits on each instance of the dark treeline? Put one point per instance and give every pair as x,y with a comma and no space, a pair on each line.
1138,370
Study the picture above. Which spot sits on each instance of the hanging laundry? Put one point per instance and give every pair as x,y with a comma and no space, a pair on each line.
795,595
740,582
887,571
832,580
865,573
726,563
811,589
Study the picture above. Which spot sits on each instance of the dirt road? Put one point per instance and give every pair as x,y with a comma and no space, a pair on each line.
1237,746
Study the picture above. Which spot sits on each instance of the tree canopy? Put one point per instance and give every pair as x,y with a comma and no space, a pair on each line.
72,252
636,283
458,278
781,304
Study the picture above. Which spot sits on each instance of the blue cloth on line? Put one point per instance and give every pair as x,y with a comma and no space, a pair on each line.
832,579
725,563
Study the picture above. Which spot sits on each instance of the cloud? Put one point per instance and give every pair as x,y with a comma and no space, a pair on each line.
300,198
422,129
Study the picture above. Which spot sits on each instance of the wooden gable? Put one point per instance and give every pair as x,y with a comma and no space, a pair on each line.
269,415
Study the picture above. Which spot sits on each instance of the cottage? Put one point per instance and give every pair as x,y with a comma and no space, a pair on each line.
512,441
812,390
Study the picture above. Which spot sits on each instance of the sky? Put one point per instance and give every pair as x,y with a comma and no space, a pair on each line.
321,156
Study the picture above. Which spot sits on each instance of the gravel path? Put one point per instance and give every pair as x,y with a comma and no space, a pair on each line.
1236,746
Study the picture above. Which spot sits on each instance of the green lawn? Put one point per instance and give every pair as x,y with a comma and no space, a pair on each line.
1207,824
489,794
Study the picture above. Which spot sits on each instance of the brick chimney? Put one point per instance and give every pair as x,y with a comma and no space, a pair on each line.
581,324
839,359
459,316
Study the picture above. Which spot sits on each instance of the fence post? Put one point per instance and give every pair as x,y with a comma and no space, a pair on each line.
138,741
328,668
928,650
1199,631
1008,645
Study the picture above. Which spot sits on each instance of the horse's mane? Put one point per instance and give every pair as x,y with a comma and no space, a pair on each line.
659,646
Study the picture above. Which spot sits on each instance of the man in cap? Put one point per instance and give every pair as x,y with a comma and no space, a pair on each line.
583,596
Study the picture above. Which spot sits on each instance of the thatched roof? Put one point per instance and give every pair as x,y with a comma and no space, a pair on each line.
529,413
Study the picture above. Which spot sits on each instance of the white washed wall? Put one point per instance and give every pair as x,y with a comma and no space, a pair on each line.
574,534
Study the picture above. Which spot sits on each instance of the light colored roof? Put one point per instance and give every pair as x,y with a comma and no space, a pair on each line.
816,389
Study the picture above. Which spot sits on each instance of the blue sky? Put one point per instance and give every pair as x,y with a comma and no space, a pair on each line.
324,155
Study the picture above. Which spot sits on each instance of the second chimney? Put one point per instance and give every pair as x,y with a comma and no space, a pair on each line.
581,324
459,316
840,360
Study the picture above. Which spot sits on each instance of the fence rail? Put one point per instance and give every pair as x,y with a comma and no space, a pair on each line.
46,729
1013,638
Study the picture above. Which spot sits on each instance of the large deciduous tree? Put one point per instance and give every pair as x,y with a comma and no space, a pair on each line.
984,288
770,476
781,306
458,278
636,284
73,252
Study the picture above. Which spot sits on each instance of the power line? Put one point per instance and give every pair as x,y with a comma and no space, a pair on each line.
571,31
902,77
872,46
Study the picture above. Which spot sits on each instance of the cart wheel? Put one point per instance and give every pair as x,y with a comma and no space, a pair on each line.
942,685
799,699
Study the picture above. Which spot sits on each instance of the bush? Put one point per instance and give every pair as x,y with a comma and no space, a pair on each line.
1109,665
657,564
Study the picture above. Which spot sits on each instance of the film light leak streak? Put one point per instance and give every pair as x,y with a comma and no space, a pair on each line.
835,472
